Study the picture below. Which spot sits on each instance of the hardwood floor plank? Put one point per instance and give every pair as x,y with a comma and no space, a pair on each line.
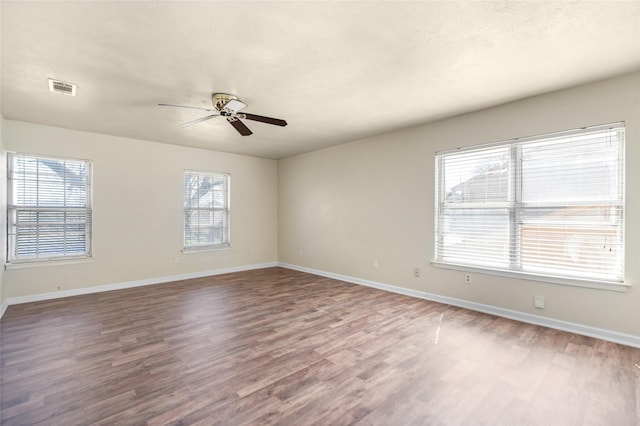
276,346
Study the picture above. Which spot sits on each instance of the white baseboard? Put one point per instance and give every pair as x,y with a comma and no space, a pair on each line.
3,307
598,333
131,284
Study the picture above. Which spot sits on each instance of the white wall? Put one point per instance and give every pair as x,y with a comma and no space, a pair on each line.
137,217
3,197
3,216
344,206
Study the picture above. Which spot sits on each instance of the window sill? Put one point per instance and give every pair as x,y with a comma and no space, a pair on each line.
196,250
47,263
575,282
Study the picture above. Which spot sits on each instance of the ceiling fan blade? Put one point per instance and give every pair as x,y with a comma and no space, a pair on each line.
197,120
186,106
239,126
264,119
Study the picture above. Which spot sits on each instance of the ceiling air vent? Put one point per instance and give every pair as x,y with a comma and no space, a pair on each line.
57,86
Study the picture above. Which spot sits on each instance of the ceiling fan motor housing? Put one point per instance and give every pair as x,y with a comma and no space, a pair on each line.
221,99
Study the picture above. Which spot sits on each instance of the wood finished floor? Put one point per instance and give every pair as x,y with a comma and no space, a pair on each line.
276,346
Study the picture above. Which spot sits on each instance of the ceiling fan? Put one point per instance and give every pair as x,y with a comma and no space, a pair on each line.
229,106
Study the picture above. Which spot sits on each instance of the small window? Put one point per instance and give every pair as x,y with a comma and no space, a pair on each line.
206,210
551,205
49,208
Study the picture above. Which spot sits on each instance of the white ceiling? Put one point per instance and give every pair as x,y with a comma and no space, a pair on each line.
336,71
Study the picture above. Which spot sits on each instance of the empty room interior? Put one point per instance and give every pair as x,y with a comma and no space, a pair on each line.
375,213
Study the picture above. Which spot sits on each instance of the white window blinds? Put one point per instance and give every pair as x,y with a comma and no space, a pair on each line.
206,210
49,208
551,205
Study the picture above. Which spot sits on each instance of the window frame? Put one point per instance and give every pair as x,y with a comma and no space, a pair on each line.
226,243
516,207
12,260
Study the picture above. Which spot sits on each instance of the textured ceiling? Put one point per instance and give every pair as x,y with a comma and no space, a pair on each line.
336,71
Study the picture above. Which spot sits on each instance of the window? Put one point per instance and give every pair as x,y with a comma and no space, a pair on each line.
206,210
550,206
49,208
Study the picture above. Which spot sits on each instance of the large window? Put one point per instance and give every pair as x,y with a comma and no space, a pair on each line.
206,210
551,205
49,208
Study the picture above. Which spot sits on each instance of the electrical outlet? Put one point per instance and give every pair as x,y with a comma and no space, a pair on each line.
538,302
467,278
416,272
375,264
300,252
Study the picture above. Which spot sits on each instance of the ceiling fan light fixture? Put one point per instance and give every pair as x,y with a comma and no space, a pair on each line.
235,105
